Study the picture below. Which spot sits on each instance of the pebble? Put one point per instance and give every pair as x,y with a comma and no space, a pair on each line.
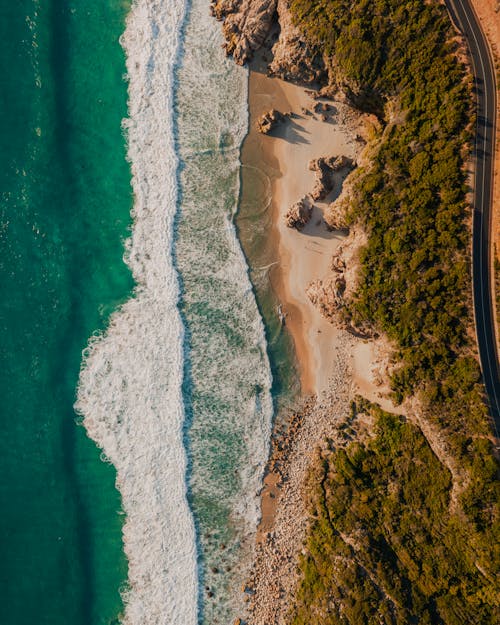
275,571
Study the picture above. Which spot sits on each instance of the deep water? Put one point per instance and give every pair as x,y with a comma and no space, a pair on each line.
65,203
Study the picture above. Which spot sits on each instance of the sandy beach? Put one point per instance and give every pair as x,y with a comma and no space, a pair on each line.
300,257
306,255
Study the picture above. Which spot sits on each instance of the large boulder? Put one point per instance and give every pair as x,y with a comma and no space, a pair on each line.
299,214
268,121
335,216
325,166
326,295
323,182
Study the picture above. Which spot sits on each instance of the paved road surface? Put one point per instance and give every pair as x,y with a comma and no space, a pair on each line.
464,17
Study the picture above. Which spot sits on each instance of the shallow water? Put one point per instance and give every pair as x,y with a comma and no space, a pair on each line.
227,386
254,221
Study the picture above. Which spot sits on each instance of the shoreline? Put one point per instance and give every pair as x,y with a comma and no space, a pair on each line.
297,258
332,364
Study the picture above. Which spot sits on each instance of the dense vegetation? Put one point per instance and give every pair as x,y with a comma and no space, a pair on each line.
399,59
384,547
415,283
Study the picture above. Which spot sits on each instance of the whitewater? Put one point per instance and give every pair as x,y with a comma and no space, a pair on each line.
177,390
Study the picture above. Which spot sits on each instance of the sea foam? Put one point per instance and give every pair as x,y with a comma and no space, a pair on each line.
130,384
228,380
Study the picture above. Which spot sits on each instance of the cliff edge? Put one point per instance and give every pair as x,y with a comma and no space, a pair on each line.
250,25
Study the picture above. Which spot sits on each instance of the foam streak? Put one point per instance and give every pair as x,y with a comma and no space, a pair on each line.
130,384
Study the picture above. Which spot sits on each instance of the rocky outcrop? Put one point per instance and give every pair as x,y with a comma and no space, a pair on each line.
246,25
323,182
321,107
299,214
333,294
326,295
338,264
268,121
335,215
325,167
294,59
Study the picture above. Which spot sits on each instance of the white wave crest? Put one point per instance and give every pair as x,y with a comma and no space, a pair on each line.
130,384
229,395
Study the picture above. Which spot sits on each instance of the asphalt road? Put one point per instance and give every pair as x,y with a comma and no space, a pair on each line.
464,17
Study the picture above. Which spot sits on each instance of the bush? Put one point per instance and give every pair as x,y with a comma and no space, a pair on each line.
386,503
384,546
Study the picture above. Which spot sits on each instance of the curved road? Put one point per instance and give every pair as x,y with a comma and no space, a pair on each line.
484,72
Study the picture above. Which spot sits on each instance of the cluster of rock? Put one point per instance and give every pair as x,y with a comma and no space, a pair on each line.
294,58
338,263
326,295
321,109
329,295
299,213
269,120
247,25
335,215
325,167
275,573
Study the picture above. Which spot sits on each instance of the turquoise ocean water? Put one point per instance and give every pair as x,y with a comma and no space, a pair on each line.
181,378
65,204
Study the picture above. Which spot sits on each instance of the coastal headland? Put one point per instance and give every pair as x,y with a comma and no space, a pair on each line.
370,270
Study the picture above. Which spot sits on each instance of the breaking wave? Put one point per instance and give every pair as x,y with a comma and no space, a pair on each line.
183,365
130,384
227,388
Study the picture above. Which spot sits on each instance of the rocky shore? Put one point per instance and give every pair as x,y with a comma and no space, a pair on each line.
270,589
307,142
249,25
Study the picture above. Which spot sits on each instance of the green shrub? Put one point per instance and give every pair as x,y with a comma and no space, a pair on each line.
408,558
414,279
384,546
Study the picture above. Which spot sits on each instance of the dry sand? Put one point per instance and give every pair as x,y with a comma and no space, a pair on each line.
303,256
